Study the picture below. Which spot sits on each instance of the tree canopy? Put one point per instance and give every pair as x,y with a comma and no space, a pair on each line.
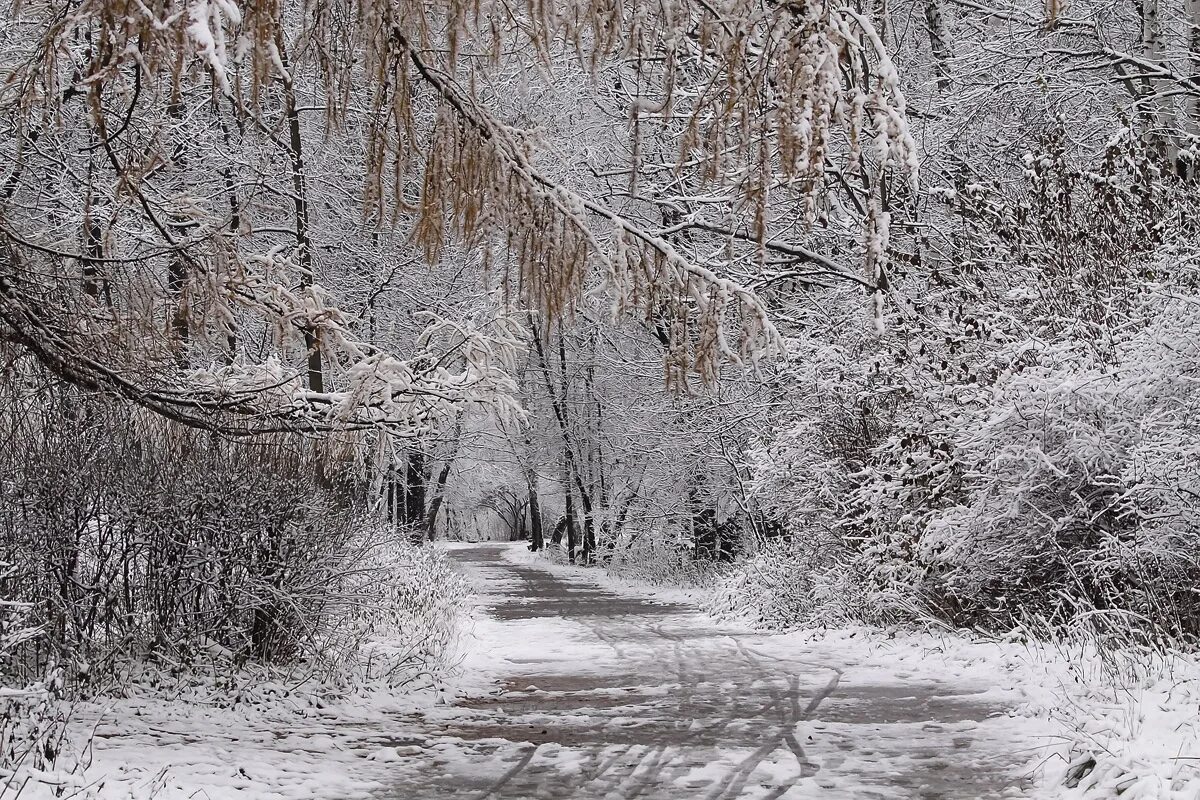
161,198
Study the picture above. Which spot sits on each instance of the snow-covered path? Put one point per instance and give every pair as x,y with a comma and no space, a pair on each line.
591,693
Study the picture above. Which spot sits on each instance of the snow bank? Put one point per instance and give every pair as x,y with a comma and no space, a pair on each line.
1134,729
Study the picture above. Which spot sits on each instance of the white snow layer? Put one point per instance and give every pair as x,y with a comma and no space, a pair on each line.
1045,716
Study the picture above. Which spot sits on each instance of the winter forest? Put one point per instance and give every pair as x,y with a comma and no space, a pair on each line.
600,399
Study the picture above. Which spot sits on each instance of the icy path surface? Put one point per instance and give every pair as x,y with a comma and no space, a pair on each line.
588,693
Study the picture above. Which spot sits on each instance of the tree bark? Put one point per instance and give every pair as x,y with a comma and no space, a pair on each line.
414,490
439,488
939,43
1158,113
392,493
572,528
572,477
316,371
439,496
536,540
93,252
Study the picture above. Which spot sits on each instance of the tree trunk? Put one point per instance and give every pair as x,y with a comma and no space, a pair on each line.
939,43
573,468
572,528
177,288
235,225
1158,113
439,488
536,541
572,476
439,495
884,14
93,253
392,493
705,535
414,493
316,372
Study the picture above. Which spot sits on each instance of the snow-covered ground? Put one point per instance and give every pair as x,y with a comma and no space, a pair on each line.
604,693
1101,725
277,741
1134,724
576,684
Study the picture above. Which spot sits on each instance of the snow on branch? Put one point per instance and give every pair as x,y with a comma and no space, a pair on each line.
763,93
459,364
480,179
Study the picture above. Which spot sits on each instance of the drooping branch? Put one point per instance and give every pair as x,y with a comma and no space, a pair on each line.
761,92
378,391
643,269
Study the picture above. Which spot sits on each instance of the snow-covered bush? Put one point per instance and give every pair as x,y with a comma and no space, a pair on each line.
1042,497
33,715
33,721
865,456
137,543
1082,493
1021,443
784,585
660,556
15,629
393,613
998,477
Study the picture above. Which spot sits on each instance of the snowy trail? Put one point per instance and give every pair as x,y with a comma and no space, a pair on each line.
599,694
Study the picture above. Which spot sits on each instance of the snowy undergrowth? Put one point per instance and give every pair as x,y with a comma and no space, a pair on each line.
33,714
1131,721
780,587
172,728
1127,718
653,559
398,617
391,622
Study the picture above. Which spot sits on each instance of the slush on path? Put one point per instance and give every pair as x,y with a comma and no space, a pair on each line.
591,693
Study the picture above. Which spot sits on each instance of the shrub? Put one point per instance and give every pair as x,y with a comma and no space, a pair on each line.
393,611
133,539
32,716
1082,492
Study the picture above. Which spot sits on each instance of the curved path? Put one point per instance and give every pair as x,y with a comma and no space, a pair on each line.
587,693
